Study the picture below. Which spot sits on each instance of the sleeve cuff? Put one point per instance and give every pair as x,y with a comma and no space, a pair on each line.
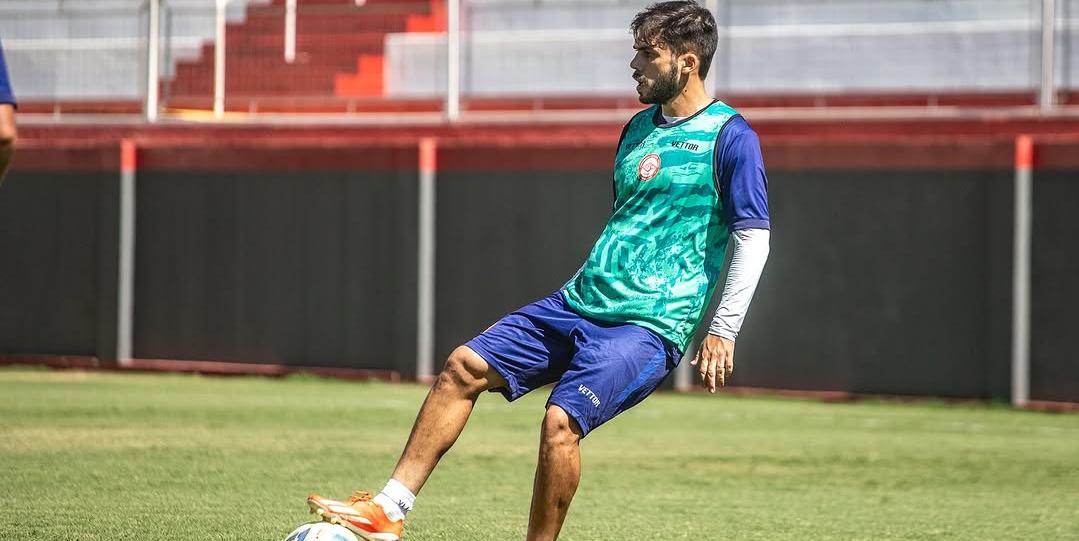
751,223
724,333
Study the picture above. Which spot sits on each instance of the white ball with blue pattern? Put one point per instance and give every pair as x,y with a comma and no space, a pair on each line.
321,531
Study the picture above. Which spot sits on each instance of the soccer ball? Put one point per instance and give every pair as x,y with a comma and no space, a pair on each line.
321,531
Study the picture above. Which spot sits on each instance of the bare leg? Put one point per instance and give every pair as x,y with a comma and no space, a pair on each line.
444,414
557,474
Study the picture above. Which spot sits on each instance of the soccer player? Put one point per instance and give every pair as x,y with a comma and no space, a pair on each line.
688,177
7,119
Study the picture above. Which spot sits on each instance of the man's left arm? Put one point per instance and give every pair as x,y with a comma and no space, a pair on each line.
716,353
743,187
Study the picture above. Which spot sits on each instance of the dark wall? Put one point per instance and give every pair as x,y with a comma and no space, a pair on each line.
58,262
1054,320
884,282
309,269
508,238
880,281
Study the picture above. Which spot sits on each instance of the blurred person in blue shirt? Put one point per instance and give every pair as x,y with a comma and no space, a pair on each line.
7,119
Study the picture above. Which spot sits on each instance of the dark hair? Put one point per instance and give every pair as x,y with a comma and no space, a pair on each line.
681,25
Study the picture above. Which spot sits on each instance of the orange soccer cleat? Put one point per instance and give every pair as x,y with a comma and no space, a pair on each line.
360,514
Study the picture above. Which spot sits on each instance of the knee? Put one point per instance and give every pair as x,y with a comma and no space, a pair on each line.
464,372
559,429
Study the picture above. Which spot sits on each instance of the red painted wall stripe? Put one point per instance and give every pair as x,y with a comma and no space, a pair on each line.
1024,152
780,154
127,156
300,158
806,145
428,154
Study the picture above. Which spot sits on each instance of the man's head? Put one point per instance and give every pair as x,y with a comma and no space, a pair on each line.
675,42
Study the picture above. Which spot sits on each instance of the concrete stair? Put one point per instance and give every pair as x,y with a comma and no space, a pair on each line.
339,52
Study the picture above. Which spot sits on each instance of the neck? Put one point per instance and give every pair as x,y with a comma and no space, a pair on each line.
691,99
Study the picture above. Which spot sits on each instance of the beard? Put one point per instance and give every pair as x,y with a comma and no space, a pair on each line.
663,89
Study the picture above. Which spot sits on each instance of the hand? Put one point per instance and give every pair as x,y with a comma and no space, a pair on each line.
714,361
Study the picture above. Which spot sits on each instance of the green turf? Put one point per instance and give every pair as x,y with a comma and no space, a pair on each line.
168,457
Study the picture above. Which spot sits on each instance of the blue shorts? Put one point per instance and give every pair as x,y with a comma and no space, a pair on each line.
600,369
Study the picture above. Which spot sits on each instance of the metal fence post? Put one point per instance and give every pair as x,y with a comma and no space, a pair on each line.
1024,172
683,374
219,61
722,60
153,56
453,60
126,265
710,79
290,31
425,312
1047,96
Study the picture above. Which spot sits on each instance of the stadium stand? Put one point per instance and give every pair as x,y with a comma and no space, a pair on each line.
94,50
339,52
769,47
390,54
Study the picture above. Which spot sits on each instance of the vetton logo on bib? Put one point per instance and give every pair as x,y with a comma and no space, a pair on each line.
648,168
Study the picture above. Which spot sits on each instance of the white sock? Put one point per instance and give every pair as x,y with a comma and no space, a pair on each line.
396,499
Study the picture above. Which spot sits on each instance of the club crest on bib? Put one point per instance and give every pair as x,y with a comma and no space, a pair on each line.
648,168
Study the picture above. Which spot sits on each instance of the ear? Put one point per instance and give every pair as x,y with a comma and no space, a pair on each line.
691,63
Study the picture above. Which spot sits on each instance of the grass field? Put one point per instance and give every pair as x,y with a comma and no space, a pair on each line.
108,456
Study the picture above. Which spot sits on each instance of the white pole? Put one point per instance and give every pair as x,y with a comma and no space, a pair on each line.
1048,85
683,375
126,263
1024,165
425,313
219,61
453,60
710,79
290,31
153,54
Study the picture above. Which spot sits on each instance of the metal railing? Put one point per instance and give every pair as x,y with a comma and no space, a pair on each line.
454,57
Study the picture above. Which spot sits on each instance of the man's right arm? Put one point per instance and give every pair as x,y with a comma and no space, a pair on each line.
7,119
7,137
